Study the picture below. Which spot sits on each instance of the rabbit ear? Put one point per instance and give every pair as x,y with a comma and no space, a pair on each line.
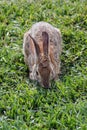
36,45
45,38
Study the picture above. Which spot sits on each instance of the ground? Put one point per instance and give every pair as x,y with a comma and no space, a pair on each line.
25,105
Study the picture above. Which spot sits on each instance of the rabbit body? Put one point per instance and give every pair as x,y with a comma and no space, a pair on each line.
51,38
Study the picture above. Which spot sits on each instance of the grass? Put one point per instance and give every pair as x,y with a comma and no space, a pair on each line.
24,105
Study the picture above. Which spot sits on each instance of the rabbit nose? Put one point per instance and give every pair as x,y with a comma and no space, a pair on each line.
46,85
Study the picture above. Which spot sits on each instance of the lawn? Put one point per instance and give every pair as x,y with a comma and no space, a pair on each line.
25,105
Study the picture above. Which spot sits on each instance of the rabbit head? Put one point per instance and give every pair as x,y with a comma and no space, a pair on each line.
43,61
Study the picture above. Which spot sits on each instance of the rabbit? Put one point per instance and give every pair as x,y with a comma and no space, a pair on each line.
42,48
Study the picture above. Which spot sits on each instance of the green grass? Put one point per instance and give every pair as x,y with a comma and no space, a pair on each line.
24,105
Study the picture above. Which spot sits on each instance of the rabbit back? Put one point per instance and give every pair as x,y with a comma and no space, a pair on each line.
55,46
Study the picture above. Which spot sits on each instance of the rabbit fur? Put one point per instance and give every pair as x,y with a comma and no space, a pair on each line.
42,49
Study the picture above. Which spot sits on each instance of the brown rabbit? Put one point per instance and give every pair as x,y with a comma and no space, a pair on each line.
42,49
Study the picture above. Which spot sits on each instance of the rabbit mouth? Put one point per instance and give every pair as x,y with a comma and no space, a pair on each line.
45,84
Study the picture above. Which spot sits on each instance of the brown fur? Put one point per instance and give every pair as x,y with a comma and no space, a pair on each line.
42,48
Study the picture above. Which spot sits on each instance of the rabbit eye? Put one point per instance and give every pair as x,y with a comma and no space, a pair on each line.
37,73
